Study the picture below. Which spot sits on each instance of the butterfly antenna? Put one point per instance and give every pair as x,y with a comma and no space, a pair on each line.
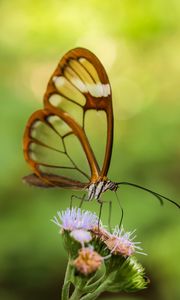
122,211
157,195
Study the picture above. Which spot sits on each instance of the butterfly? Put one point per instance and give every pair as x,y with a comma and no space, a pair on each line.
79,85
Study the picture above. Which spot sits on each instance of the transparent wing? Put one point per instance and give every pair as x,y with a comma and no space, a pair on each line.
56,139
79,85
52,148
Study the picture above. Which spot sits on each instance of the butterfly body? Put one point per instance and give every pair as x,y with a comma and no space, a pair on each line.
96,189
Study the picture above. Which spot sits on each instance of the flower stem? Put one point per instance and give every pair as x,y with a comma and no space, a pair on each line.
97,292
67,282
89,287
76,294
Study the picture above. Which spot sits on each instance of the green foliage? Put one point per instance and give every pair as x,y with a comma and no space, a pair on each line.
128,277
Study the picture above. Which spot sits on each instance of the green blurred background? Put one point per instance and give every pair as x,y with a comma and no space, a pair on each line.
139,45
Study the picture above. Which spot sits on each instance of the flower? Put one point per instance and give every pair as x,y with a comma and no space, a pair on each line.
75,218
81,235
88,261
91,248
121,242
101,233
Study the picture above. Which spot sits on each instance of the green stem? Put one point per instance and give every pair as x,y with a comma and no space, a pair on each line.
90,287
67,282
97,292
76,294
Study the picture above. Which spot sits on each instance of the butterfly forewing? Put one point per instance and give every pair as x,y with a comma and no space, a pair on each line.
56,140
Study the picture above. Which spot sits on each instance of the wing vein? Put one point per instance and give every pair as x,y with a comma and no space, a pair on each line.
72,161
87,70
45,145
54,166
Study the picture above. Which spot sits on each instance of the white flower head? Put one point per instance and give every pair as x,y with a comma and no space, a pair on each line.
121,242
75,218
81,235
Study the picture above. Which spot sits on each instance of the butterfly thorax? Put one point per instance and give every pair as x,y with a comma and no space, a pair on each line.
96,189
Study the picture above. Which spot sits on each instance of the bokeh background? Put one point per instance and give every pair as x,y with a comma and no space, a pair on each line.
139,45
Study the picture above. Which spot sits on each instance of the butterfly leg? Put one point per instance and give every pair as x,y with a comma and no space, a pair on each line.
100,211
121,208
109,216
101,202
83,198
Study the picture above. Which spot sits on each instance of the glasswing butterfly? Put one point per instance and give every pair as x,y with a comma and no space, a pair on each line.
78,85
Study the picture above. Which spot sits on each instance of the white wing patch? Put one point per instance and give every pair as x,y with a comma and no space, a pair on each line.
99,90
68,90
81,77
